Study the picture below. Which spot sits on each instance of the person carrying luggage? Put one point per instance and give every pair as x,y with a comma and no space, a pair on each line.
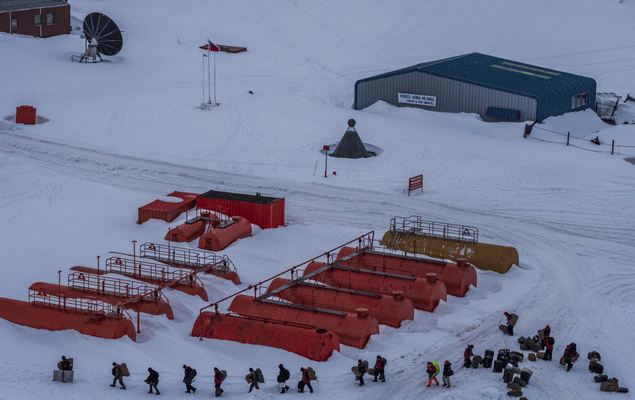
283,376
252,378
447,373
153,380
432,373
362,371
117,374
190,373
569,353
306,381
218,380
65,364
380,364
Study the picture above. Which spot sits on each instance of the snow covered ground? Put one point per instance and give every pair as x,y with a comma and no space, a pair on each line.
123,133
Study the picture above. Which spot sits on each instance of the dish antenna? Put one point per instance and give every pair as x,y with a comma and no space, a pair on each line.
102,36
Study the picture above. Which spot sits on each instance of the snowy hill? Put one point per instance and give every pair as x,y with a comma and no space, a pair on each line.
123,133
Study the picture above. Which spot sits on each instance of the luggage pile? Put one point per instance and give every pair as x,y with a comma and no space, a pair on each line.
534,344
606,384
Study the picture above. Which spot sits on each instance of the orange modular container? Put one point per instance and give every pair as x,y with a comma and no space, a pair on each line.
165,210
425,294
219,238
314,344
186,232
266,212
352,330
457,277
25,314
25,115
146,306
388,310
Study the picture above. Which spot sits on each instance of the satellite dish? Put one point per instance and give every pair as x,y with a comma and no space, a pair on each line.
102,36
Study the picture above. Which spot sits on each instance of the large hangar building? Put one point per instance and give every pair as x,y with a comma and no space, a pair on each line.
492,87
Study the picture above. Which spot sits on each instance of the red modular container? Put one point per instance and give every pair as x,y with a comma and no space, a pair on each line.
352,330
146,306
388,310
457,276
187,232
266,212
165,210
424,293
25,115
314,344
219,238
26,314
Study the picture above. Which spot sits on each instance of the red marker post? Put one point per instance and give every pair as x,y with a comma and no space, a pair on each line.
326,153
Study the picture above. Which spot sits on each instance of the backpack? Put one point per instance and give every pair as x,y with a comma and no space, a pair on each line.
551,341
260,378
312,375
223,375
193,373
383,362
436,365
124,369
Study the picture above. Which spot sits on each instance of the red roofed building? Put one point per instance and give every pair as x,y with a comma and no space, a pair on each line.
39,18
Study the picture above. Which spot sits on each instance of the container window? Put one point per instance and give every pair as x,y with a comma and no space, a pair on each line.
50,19
14,23
38,20
580,100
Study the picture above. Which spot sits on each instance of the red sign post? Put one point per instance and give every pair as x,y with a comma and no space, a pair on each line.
416,182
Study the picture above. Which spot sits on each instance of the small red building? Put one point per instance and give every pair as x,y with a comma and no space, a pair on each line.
39,18
266,212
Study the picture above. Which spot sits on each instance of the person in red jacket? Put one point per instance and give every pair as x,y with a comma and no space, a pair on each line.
218,380
546,333
467,356
306,381
549,348
379,369
432,373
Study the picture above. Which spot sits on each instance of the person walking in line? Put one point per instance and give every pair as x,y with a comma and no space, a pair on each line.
306,381
362,371
253,380
447,373
65,364
190,374
467,356
283,376
432,373
218,380
380,364
117,374
153,380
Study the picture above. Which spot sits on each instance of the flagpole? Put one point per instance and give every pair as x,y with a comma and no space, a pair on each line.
215,103
208,80
204,78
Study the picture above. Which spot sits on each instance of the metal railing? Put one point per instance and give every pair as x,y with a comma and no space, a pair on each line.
187,258
126,289
93,308
155,272
417,225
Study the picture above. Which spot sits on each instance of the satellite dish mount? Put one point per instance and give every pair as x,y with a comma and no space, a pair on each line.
102,36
